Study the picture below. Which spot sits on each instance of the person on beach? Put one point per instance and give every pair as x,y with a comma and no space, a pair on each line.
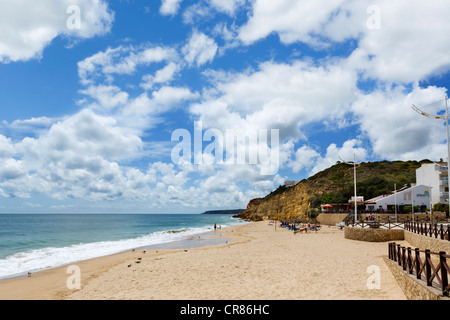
215,227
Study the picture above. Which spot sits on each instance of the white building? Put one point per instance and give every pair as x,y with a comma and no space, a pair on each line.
290,183
434,175
416,195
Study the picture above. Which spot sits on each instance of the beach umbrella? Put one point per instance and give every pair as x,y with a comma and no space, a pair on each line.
327,205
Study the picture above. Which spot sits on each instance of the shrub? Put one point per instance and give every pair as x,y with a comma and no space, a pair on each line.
408,209
313,213
442,207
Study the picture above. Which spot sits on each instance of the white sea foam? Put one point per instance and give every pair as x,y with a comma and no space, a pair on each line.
40,259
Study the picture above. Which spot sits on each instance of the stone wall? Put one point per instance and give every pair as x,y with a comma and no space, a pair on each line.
413,288
373,235
425,242
331,219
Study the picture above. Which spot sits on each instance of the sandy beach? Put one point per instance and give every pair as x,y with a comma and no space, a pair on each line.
254,262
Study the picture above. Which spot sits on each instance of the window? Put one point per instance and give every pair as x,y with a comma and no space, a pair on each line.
407,196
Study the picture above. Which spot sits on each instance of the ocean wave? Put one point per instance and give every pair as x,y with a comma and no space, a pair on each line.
36,260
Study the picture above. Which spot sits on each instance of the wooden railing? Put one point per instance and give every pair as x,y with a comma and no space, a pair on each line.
387,223
433,266
438,231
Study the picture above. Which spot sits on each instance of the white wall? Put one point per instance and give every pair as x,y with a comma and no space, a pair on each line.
421,194
429,175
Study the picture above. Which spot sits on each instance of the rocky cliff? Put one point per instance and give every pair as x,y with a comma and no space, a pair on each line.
290,204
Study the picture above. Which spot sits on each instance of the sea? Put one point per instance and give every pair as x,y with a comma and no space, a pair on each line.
35,242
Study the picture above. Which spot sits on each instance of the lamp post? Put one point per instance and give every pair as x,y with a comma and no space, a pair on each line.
395,202
448,142
448,150
431,209
354,182
412,203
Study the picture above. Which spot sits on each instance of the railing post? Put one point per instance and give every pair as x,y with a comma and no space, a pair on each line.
390,250
394,252
409,261
399,255
428,267
444,276
404,258
417,263
442,232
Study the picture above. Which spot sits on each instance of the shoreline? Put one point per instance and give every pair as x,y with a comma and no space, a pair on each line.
88,236
254,261
51,283
203,239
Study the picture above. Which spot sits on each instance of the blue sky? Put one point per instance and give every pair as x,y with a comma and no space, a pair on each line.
88,110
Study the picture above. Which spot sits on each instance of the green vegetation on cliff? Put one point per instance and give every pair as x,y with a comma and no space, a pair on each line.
334,185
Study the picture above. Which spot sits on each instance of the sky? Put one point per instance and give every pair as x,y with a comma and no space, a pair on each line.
178,106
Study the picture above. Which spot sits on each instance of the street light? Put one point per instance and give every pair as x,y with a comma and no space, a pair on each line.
354,182
395,202
448,142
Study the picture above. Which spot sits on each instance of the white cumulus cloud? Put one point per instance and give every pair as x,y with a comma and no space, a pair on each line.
200,49
169,7
28,27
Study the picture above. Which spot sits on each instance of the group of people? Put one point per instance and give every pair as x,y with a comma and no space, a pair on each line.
292,227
